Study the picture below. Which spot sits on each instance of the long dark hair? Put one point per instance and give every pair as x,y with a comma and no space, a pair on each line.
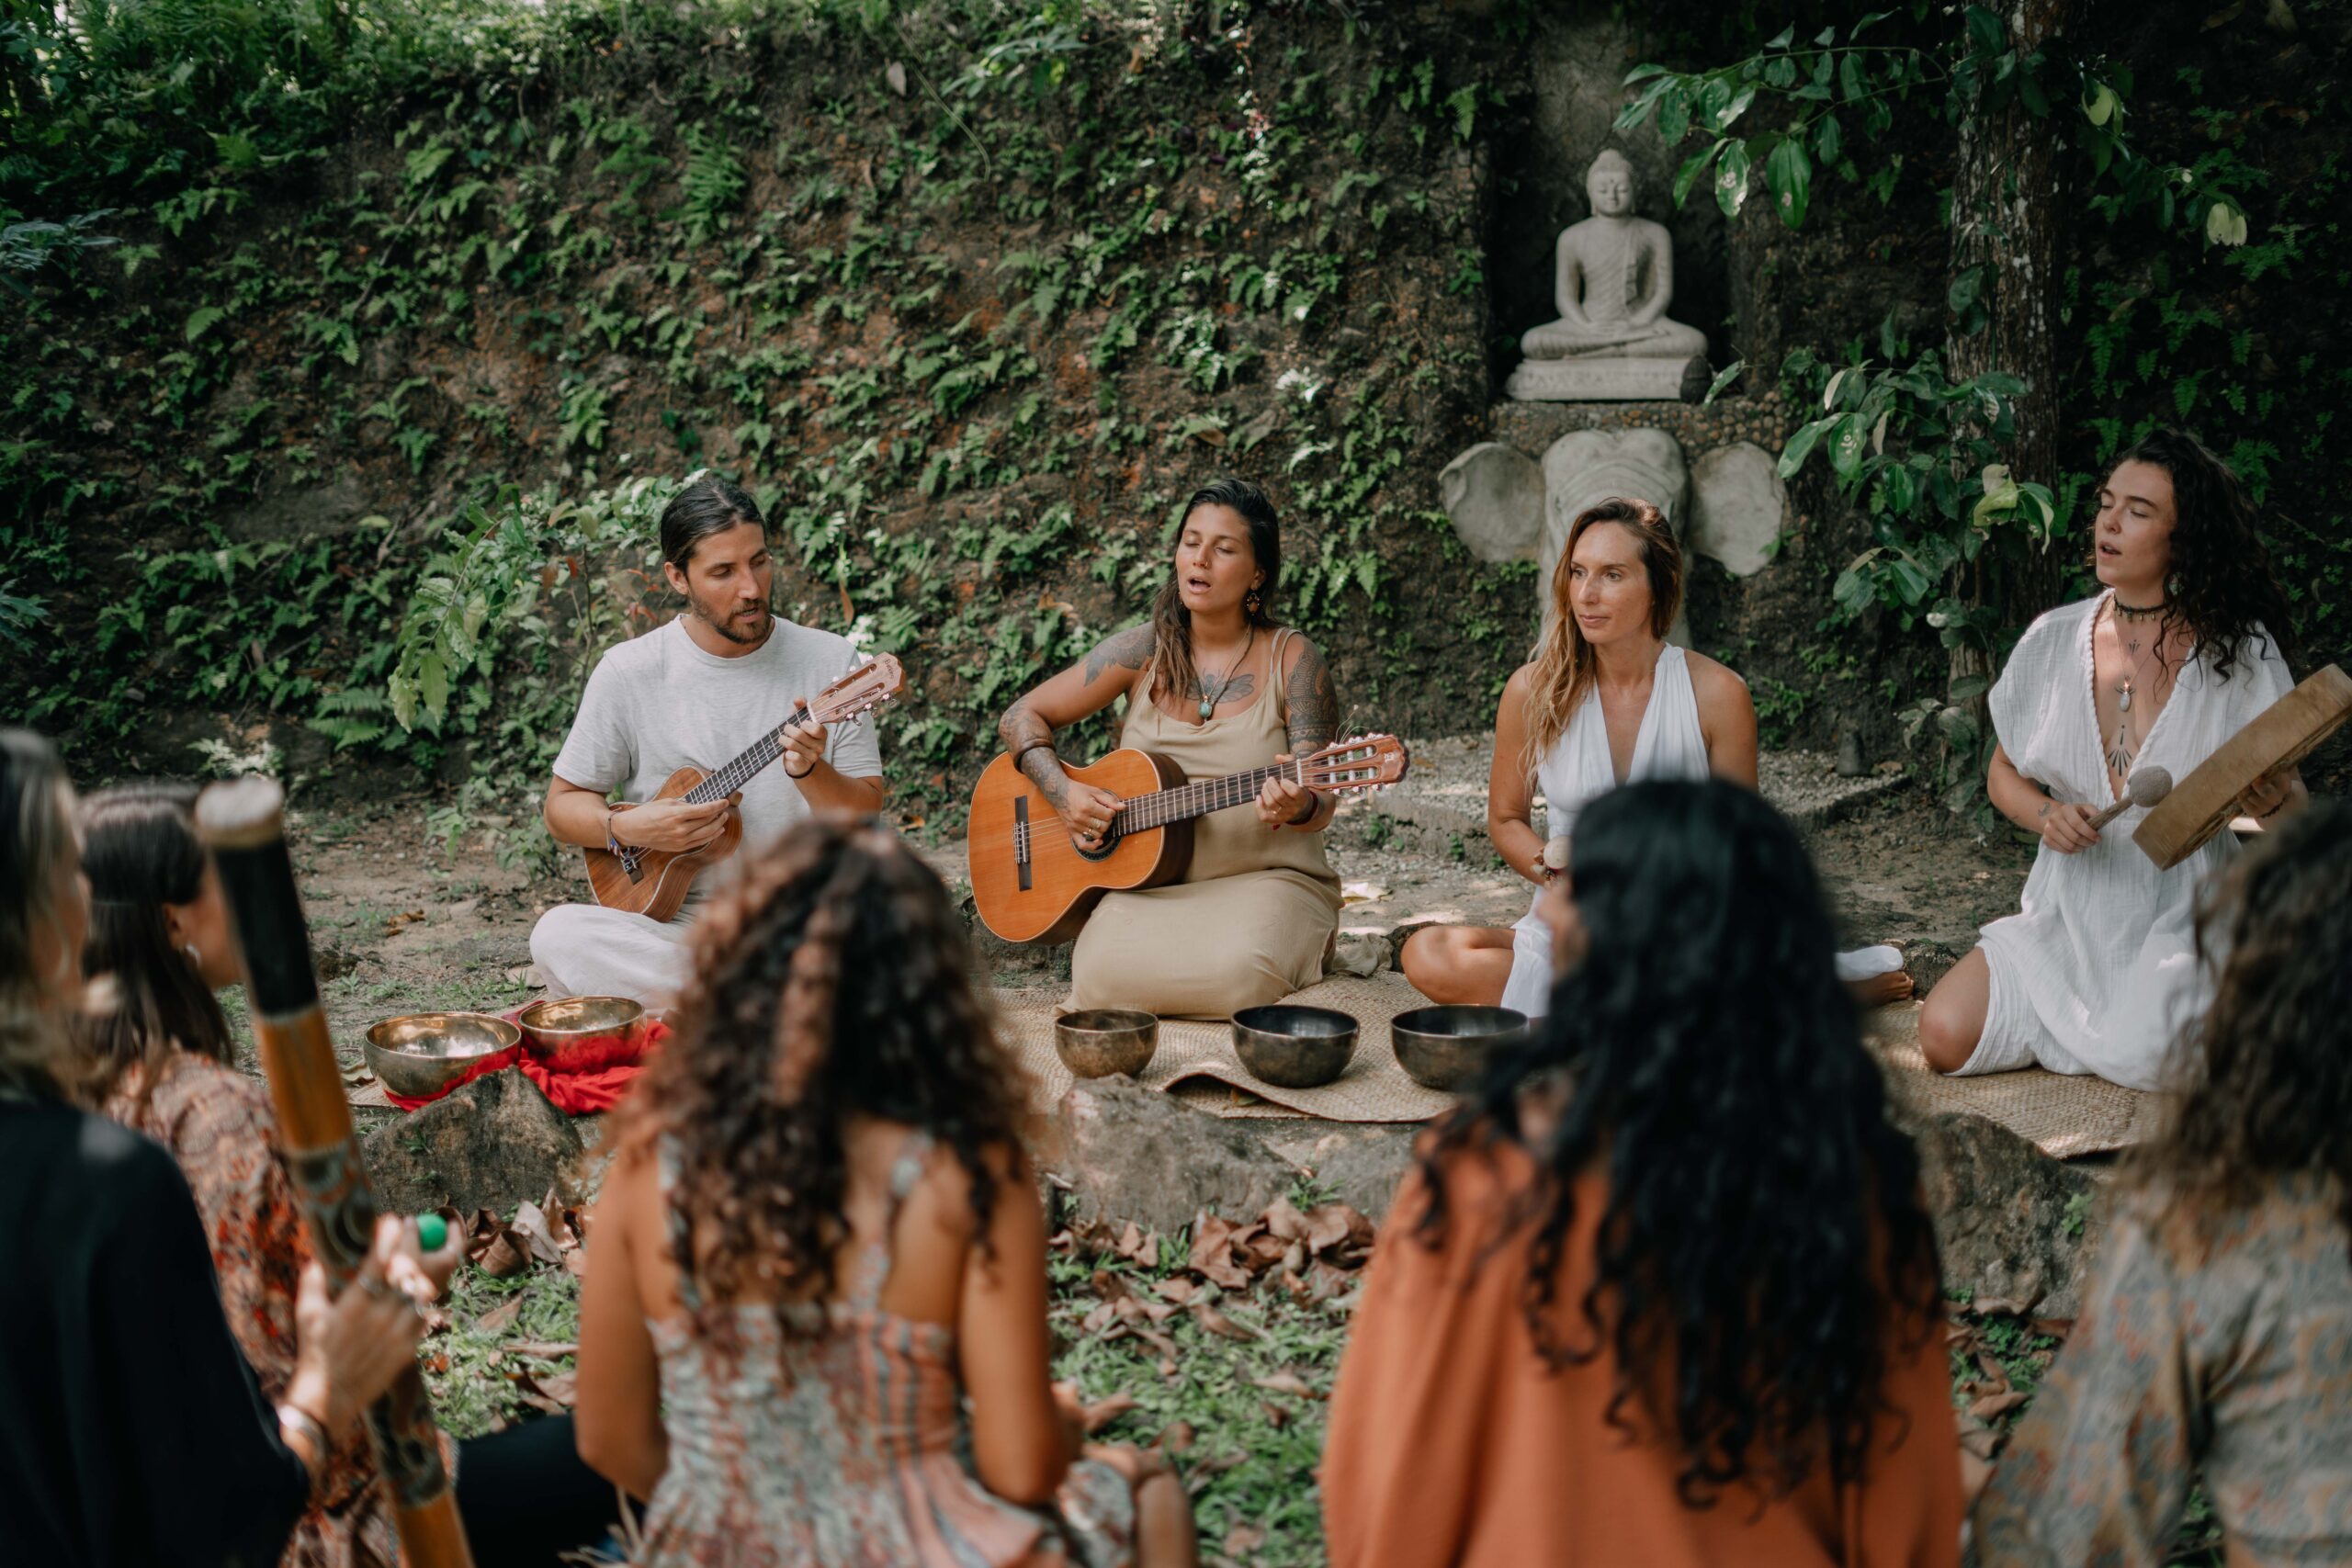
2262,1081
710,505
1172,672
1764,1240
139,851
35,832
2221,588
834,981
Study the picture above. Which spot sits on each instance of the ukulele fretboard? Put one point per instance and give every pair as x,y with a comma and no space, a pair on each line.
743,769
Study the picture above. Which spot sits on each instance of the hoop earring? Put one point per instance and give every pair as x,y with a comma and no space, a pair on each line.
1252,603
195,957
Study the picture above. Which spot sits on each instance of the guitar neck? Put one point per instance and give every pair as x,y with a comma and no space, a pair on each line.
747,766
1163,807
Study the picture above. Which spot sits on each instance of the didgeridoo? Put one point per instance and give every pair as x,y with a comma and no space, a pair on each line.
244,825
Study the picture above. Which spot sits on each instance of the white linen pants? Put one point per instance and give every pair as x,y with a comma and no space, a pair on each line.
586,950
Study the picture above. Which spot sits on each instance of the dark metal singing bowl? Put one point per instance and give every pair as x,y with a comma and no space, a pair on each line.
1447,1047
424,1053
1294,1047
1099,1041
550,1024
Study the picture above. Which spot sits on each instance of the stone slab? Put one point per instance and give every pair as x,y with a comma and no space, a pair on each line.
1738,503
1596,380
1494,496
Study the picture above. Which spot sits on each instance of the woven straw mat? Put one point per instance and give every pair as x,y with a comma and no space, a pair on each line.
1195,1061
2060,1114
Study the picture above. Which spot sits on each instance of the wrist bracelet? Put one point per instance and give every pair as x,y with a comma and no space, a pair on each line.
313,1433
802,774
1313,805
612,845
1047,743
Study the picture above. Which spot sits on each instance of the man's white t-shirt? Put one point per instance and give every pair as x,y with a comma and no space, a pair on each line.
658,702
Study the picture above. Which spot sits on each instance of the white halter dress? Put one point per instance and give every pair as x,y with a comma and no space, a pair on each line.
1577,771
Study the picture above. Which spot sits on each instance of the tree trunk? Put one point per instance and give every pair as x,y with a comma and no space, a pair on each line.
2005,216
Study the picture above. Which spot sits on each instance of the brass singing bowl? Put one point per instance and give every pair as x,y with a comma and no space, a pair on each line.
424,1053
1294,1047
1446,1047
1098,1042
550,1024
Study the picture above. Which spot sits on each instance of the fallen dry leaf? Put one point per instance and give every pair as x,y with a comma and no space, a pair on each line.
1994,1405
1218,1324
531,1225
1241,1539
499,1316
546,1350
1175,1439
507,1256
1138,1247
1103,1412
1285,1383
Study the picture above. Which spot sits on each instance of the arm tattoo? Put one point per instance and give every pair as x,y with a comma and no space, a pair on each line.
1129,649
1313,701
1022,728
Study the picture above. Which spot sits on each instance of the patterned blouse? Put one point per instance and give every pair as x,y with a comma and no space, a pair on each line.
217,1123
2216,1346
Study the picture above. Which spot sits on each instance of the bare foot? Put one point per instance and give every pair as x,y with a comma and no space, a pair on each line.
1880,990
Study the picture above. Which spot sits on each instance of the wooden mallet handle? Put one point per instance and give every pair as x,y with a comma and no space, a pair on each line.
243,824
2147,787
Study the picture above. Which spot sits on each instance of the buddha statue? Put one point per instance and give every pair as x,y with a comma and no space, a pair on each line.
1614,280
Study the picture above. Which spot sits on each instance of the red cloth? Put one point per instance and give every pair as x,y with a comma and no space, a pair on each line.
581,1078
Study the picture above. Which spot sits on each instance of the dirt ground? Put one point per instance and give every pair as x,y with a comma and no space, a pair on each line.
402,923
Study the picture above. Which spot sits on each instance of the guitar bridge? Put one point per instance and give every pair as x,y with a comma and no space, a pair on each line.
636,872
1021,838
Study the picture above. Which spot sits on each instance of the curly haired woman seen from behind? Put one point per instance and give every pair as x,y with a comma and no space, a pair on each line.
1663,1291
822,1246
2216,1338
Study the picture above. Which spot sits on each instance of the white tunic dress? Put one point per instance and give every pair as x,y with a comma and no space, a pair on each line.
2097,971
1577,771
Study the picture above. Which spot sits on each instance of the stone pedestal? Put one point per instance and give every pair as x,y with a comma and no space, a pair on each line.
1596,380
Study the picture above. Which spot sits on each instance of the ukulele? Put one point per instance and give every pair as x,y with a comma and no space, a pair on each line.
654,882
1032,882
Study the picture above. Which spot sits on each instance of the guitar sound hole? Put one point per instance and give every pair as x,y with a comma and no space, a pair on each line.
1102,853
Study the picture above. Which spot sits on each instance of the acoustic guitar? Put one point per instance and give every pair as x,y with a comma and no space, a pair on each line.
654,882
1032,882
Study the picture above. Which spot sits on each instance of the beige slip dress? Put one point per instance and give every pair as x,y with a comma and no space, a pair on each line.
1255,915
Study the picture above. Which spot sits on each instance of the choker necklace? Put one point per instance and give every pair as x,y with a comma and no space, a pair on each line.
2142,612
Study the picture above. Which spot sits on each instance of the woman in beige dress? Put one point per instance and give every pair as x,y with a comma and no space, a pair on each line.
1215,686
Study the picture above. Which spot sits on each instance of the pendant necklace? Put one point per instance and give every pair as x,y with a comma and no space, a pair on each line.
1210,699
2120,754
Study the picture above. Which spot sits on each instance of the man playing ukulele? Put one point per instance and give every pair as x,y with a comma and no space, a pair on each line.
694,694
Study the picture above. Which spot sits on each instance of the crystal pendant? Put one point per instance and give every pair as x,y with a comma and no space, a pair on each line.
1208,707
2123,700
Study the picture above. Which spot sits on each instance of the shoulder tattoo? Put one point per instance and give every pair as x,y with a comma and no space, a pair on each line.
1129,649
1313,701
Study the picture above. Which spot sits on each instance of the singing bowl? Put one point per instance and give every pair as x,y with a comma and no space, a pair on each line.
1294,1047
424,1053
1099,1041
1447,1047
554,1023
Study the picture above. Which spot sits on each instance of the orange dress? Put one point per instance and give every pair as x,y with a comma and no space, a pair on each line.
1451,1442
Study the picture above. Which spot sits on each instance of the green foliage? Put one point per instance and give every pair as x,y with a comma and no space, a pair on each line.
534,280
1839,98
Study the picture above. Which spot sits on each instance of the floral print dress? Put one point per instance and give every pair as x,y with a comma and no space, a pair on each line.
218,1124
843,1444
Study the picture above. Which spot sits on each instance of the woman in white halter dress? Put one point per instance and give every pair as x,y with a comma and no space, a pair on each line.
1608,699
1577,769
